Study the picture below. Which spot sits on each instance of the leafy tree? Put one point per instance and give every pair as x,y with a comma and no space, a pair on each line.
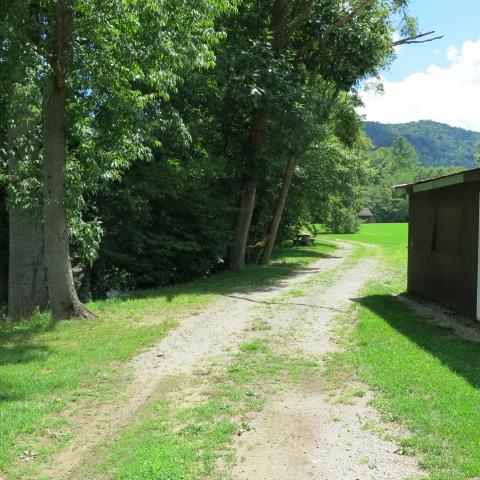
100,68
276,52
392,166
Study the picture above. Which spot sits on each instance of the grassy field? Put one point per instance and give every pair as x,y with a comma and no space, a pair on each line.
424,377
47,367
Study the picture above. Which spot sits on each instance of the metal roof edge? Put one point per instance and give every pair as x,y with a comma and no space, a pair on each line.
465,176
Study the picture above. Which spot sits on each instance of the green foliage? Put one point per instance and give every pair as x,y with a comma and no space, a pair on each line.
163,103
126,60
164,222
340,219
437,144
393,166
328,184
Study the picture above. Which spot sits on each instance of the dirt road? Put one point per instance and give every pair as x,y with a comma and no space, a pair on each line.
300,435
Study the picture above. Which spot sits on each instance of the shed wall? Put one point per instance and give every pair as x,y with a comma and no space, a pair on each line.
443,246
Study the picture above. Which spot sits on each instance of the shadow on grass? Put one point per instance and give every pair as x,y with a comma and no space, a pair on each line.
22,353
460,355
253,279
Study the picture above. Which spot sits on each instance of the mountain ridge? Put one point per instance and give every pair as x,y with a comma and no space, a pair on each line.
437,144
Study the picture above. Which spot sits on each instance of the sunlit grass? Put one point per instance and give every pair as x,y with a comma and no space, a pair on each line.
424,377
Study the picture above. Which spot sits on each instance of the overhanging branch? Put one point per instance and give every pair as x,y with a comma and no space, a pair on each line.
415,39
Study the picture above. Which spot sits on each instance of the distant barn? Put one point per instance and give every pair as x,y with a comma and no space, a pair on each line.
443,240
366,216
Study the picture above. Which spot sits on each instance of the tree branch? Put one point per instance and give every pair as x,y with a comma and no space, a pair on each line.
302,16
335,26
414,39
285,27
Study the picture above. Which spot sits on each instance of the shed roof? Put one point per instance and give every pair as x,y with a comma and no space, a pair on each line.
467,176
365,212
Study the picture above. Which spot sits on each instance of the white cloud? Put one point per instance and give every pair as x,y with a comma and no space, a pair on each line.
452,53
444,94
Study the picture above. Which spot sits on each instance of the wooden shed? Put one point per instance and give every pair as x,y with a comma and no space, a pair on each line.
443,240
365,215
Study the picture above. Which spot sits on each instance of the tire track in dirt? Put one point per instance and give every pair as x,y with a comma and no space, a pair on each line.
304,435
219,328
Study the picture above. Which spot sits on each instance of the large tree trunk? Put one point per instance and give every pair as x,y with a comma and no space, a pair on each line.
248,197
278,212
3,249
64,301
27,283
244,219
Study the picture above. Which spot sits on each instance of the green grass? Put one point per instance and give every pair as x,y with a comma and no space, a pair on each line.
177,442
424,377
392,235
46,367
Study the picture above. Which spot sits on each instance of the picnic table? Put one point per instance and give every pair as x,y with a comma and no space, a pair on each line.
303,239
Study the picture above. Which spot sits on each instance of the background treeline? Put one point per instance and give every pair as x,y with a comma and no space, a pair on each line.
437,144
150,142
396,165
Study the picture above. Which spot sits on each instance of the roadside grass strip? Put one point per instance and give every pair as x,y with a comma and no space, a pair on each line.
424,377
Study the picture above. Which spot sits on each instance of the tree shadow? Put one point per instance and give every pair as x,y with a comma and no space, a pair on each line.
253,279
23,330
313,306
22,353
460,355
12,355
17,347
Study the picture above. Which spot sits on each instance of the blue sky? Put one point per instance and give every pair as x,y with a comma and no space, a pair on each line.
439,80
458,20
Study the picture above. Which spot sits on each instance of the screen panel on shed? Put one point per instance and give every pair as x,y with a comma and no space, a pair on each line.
422,233
447,235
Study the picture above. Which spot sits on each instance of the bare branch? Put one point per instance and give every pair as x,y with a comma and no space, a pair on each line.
414,39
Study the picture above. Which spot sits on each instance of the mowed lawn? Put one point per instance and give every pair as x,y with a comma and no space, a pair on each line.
48,367
424,376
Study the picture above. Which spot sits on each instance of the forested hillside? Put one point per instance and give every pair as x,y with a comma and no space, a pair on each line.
437,144
395,165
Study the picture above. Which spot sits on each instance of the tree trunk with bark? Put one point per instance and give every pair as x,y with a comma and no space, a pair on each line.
3,249
244,219
63,297
27,282
271,236
248,198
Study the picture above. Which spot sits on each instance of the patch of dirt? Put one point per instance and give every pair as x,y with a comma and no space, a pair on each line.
220,328
304,435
